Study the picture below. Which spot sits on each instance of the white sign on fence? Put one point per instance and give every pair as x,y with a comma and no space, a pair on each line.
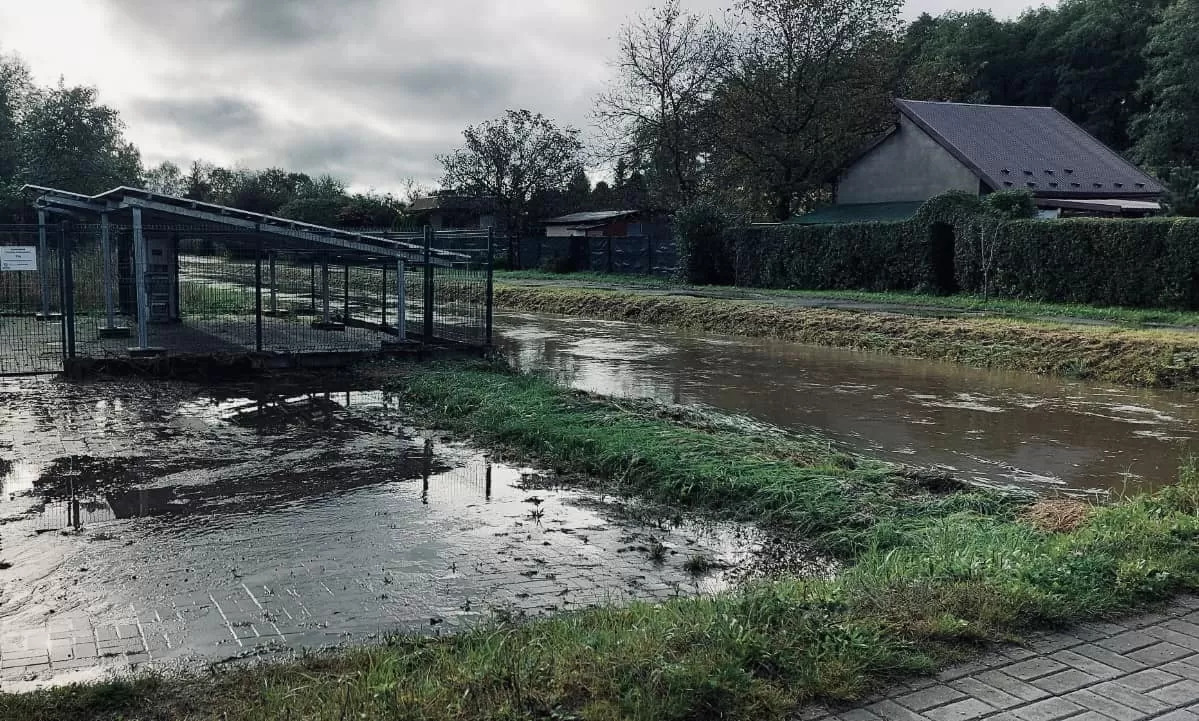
18,257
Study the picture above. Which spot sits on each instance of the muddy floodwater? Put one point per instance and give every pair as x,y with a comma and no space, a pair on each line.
165,523
995,427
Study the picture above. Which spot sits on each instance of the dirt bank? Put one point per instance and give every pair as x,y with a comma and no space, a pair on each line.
1147,358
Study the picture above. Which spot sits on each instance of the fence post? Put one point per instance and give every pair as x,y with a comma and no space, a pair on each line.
428,329
383,303
325,286
649,255
139,265
258,298
274,287
106,251
68,290
609,254
43,264
490,282
401,301
345,301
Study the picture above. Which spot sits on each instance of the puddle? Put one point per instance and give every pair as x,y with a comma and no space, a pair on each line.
169,525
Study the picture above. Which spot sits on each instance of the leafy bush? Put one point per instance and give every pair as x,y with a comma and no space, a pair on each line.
703,254
1011,204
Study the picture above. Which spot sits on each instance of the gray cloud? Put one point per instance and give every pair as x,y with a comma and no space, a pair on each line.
209,117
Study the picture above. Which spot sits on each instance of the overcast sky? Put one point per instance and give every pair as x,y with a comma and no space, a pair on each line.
369,90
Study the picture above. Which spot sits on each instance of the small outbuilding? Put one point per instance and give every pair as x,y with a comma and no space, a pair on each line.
598,224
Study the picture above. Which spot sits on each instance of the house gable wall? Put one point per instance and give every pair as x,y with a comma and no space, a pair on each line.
908,166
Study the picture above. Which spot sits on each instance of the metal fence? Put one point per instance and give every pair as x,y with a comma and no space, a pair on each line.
640,255
213,291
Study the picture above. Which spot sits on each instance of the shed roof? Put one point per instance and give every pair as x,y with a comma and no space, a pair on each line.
1030,148
284,232
590,217
858,213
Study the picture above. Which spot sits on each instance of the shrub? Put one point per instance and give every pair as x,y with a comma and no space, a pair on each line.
703,255
1011,204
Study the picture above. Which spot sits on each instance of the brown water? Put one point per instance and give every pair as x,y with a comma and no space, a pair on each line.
993,427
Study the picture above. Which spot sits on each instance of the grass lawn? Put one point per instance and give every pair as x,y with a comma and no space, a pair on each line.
1133,317
929,570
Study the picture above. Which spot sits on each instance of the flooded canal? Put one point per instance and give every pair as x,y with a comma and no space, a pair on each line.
166,523
995,427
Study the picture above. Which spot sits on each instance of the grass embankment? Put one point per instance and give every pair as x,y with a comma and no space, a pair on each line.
1149,358
926,575
1130,317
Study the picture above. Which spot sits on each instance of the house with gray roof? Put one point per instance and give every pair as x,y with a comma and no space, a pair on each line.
938,147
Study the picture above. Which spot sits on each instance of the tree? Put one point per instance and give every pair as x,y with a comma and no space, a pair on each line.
513,159
668,66
1165,133
167,179
811,83
15,87
70,141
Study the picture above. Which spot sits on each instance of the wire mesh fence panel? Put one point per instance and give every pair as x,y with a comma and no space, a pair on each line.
459,310
31,328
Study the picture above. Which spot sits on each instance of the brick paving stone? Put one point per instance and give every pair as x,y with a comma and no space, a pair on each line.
1185,692
1179,715
1108,658
964,710
1127,642
1120,693
1034,668
1159,653
1106,706
1020,689
930,697
1051,709
1064,682
1079,662
974,688
858,714
894,712
1149,679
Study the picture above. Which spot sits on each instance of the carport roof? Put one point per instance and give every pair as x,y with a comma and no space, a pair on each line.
283,230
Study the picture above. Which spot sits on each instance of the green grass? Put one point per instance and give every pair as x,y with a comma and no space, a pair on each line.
927,577
1132,317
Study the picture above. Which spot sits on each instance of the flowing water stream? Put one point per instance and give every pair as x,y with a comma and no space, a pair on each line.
990,426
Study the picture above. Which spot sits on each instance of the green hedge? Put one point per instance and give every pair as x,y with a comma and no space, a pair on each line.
866,256
1151,262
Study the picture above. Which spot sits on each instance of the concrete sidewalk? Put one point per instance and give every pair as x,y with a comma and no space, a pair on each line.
1142,668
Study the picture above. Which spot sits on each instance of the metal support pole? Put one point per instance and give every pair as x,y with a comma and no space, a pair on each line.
428,329
139,263
325,286
43,263
274,289
258,299
383,303
345,313
68,291
106,251
490,291
401,301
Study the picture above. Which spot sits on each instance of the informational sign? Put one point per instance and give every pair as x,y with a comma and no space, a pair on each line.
18,257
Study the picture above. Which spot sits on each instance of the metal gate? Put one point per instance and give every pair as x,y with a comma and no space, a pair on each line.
33,276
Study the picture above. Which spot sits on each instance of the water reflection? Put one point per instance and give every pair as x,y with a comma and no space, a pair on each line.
996,427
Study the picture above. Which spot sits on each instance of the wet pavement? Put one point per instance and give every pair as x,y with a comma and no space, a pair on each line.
165,524
994,427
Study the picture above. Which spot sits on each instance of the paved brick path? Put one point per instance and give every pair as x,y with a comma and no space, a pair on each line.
1143,668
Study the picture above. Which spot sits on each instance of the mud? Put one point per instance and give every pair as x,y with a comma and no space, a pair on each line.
166,524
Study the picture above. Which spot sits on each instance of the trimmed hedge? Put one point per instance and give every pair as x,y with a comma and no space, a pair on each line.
1150,262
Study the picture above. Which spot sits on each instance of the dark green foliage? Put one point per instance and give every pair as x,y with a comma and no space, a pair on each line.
865,256
1145,262
1129,262
1011,204
705,258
